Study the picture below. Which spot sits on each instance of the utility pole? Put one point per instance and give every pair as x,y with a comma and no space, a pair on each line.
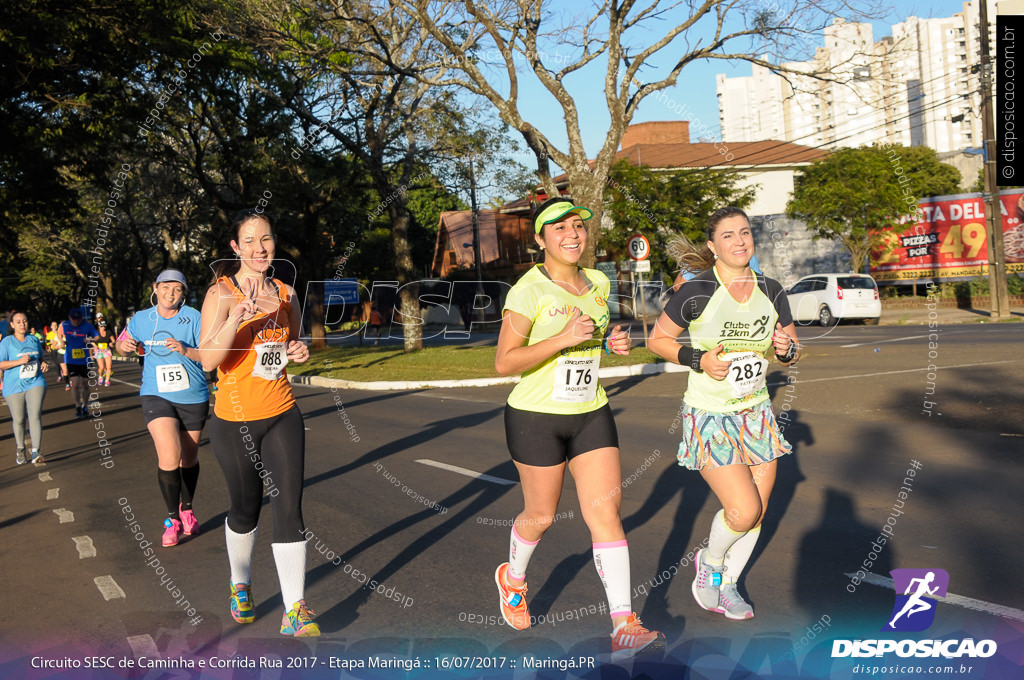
476,242
999,295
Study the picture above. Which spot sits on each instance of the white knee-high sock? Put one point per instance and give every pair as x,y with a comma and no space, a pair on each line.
519,552
240,553
291,571
739,554
722,538
612,562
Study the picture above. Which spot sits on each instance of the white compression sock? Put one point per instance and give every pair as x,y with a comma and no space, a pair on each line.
722,538
612,562
291,571
519,552
739,554
240,553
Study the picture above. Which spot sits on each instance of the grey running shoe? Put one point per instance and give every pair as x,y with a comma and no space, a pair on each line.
20,458
732,604
707,583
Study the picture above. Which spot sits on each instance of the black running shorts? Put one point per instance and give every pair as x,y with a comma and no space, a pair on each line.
190,417
548,439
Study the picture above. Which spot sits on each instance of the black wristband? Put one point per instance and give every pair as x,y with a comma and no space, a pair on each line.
789,355
690,356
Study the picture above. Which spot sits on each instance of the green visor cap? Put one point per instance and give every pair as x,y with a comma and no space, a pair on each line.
556,211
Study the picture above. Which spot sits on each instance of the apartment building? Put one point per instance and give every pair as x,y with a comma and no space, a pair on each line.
918,86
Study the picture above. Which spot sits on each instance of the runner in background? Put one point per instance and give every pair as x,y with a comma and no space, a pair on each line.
175,399
554,330
103,354
734,317
75,334
250,333
56,345
24,387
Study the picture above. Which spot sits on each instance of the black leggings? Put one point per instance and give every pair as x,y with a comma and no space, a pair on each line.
263,455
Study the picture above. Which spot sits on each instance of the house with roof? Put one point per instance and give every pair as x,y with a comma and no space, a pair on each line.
785,250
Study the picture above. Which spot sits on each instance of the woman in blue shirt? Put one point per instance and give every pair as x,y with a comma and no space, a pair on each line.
175,398
21,360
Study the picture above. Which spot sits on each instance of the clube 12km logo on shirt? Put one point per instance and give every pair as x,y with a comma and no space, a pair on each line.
914,611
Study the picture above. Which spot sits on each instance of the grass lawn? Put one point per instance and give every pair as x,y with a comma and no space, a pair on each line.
433,363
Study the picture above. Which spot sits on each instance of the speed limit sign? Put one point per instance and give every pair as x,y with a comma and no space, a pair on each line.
638,247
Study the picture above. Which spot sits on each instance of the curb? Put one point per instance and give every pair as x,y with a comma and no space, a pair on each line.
382,386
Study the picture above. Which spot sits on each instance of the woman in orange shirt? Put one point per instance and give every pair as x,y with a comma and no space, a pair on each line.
250,326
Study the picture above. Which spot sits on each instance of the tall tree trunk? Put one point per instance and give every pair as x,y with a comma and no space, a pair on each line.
408,286
588,191
315,314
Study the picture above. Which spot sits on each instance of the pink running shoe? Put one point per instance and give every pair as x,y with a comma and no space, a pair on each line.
189,523
173,532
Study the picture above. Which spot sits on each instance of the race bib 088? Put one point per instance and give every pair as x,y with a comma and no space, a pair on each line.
270,360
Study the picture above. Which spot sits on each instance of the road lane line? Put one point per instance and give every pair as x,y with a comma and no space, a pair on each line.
65,515
908,370
125,382
84,546
879,342
908,337
143,646
45,477
108,588
469,473
951,598
52,494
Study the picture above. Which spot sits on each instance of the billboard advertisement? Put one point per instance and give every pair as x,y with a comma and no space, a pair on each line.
949,240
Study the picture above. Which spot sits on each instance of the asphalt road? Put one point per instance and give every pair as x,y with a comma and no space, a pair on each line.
383,503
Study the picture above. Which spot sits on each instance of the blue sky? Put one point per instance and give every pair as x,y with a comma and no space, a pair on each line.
695,89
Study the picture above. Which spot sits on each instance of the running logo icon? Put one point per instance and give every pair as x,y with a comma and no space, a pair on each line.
914,610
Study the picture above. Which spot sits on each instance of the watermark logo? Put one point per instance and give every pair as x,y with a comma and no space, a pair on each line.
914,610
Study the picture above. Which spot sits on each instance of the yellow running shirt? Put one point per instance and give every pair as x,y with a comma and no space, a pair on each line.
566,383
744,329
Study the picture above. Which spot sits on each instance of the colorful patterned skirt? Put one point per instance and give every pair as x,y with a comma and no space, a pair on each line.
747,437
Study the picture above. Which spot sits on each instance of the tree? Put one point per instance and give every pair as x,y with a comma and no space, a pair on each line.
855,195
662,205
386,118
520,35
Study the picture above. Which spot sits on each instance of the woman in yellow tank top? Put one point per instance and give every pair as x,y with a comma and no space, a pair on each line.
250,327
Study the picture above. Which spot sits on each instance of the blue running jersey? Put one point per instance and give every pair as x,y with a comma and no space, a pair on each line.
167,373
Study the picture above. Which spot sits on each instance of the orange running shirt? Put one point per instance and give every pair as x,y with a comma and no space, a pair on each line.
246,387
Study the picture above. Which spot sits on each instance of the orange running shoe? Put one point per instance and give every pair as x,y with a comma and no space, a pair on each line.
632,638
512,600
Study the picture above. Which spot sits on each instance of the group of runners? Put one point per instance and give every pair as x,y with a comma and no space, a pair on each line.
555,328
23,364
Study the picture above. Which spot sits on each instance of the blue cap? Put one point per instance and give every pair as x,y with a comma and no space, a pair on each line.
172,276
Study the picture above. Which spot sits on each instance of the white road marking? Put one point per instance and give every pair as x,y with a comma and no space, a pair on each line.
108,588
469,473
909,370
84,546
52,493
907,337
125,382
65,515
879,342
445,395
45,477
950,598
143,645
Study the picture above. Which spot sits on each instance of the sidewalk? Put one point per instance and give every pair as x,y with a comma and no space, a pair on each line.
920,315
